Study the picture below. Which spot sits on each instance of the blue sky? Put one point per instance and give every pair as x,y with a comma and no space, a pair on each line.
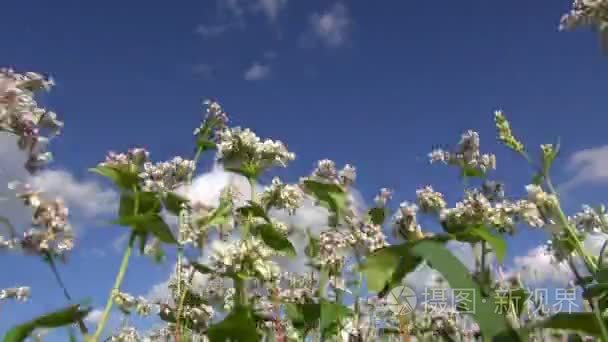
375,84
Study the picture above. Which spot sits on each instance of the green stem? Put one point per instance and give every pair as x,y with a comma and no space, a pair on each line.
119,277
483,257
240,291
563,220
323,279
252,188
66,293
600,320
180,251
180,306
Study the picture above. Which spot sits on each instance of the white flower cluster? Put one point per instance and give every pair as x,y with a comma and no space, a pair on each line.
215,288
326,171
467,154
297,288
128,303
238,146
476,209
200,315
586,13
281,196
215,118
136,156
126,334
405,223
589,220
19,293
383,197
429,200
235,256
365,234
331,244
166,176
50,232
544,201
20,115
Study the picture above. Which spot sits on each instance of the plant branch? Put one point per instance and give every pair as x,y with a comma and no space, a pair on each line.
119,278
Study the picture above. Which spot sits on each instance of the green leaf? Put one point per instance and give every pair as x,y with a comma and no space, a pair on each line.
303,316
253,209
59,318
575,321
538,179
276,240
498,244
313,248
595,290
377,215
483,309
602,275
202,268
121,176
239,325
331,314
149,223
206,144
329,196
385,268
147,202
247,169
173,202
472,172
143,238
220,215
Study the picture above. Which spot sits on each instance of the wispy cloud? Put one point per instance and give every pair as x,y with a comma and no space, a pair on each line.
331,28
588,166
86,199
271,8
232,14
204,70
210,31
257,71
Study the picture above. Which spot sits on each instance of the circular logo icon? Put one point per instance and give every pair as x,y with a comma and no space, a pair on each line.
401,300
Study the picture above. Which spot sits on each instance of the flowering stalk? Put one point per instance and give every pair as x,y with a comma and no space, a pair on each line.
180,255
121,273
119,277
578,245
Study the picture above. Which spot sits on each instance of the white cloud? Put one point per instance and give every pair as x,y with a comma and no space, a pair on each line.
271,8
85,199
94,316
210,31
588,166
204,70
232,14
538,267
332,27
257,71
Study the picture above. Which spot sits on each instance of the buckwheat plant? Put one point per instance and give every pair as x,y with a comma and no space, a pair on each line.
230,281
50,235
588,13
